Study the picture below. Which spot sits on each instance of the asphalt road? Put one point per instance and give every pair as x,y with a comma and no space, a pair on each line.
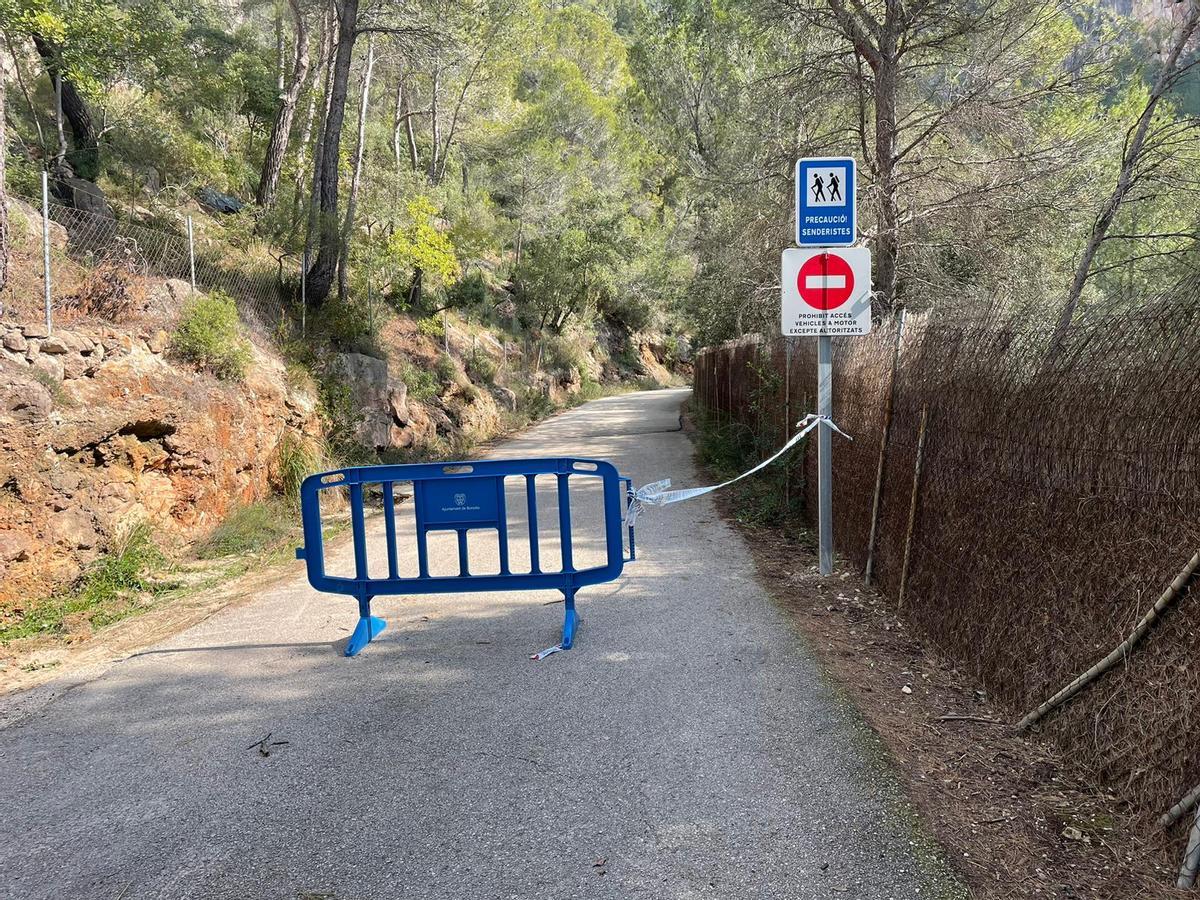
687,747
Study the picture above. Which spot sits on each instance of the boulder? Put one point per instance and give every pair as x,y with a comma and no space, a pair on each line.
15,341
26,400
82,195
507,397
76,366
50,367
367,377
54,344
375,430
402,438
398,402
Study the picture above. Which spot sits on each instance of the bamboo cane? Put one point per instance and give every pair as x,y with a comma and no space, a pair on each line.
883,442
1180,809
912,507
1168,597
1191,858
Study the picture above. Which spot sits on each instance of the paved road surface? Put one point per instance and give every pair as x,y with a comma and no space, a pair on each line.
688,747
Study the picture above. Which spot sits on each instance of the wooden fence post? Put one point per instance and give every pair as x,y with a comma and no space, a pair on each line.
912,507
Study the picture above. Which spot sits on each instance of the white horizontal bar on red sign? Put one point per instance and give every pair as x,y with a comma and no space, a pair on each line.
824,282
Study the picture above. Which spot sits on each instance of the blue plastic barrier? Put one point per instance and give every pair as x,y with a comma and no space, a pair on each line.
463,497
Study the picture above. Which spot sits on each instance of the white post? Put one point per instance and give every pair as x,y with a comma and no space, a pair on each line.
825,452
46,244
191,254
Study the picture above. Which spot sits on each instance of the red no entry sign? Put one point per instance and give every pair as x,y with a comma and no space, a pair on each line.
825,281
825,291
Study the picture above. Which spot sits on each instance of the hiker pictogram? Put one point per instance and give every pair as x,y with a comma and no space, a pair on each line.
818,189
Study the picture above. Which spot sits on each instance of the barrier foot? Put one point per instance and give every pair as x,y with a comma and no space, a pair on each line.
368,628
570,621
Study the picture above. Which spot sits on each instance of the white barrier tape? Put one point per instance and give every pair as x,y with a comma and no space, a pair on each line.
656,494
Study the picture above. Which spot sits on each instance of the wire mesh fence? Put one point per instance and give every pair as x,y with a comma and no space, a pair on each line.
1030,507
85,242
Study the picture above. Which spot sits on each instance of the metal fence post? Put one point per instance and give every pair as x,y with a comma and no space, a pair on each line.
191,254
46,244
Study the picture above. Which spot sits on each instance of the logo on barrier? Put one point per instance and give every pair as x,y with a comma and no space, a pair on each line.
460,499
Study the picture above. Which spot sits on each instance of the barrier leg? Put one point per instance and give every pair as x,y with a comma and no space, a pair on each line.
570,620
368,628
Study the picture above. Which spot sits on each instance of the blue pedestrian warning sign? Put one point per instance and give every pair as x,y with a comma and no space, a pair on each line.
825,207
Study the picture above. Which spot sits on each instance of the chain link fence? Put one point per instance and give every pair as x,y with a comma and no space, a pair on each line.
81,245
1023,509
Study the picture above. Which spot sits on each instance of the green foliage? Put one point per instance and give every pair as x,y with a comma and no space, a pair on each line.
446,370
298,456
209,336
422,245
432,327
250,529
117,585
482,367
422,384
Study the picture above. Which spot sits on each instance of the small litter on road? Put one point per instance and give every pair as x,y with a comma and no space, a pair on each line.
264,746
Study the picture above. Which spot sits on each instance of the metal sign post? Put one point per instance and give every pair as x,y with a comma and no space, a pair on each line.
826,291
825,453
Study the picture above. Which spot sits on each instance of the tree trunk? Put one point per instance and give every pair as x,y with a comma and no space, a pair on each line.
3,194
887,237
325,187
85,157
435,126
277,146
356,179
413,158
398,119
315,90
1135,144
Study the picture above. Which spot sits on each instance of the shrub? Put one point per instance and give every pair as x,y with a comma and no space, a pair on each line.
432,327
422,384
106,592
299,457
482,368
446,370
209,335
249,529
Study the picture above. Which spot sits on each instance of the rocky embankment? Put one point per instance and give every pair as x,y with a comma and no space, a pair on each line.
99,431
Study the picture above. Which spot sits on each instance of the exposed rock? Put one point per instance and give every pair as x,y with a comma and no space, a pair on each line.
76,366
15,546
170,294
375,430
158,342
50,367
398,402
367,377
82,195
401,438
15,341
507,397
53,344
35,331
135,439
74,529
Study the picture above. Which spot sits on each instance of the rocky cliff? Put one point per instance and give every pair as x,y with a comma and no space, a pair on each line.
100,430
